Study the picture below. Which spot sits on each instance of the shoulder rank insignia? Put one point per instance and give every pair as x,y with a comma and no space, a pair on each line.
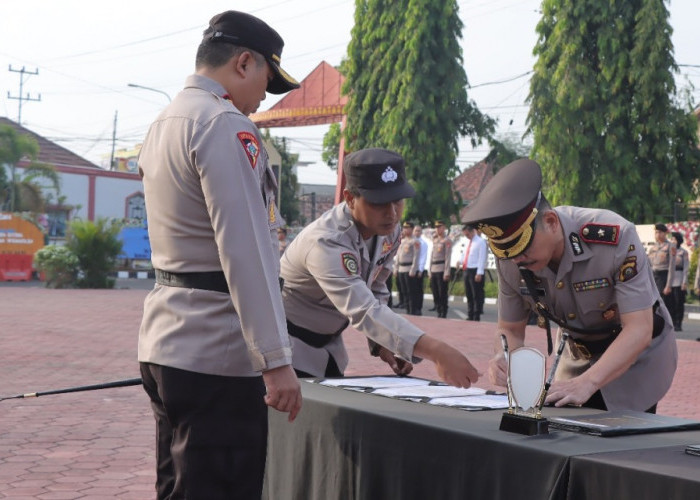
350,263
250,146
607,234
575,244
628,269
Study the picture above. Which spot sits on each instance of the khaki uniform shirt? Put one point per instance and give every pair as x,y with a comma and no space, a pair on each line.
331,275
441,256
211,207
408,255
596,282
681,266
661,259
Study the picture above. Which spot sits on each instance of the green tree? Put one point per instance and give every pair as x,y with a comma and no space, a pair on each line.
97,246
506,148
331,146
609,127
406,89
289,206
24,193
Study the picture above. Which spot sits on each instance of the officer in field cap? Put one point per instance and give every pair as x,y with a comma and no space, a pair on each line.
335,274
378,175
585,270
213,336
244,30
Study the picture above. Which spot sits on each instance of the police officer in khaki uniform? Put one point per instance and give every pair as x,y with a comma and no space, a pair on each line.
661,256
586,271
440,268
214,322
335,272
679,286
407,267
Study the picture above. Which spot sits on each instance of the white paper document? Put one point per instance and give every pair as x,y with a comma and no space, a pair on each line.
374,382
491,401
428,391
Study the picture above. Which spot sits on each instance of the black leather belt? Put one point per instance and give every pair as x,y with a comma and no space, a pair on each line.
313,339
214,281
593,347
406,263
438,262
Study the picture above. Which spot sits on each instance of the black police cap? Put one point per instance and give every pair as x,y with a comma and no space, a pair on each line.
505,210
244,30
378,174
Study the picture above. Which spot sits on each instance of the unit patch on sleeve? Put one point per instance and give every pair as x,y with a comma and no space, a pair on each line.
350,263
628,269
584,286
386,247
607,234
250,145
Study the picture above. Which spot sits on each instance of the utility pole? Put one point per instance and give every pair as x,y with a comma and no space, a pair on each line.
20,97
114,140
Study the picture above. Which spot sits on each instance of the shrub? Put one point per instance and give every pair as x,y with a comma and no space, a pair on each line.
97,245
59,265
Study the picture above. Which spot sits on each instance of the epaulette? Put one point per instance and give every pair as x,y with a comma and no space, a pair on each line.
607,234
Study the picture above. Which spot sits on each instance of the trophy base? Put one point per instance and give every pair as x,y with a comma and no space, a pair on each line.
523,424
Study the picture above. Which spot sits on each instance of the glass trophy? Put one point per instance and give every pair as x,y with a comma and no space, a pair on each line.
526,391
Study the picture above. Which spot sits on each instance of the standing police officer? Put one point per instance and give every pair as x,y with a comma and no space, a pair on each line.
214,322
335,272
408,257
440,268
586,271
662,259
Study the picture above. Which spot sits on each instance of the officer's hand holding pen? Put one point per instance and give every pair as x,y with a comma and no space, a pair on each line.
575,391
498,365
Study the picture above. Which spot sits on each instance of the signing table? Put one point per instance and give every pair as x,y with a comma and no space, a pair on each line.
350,445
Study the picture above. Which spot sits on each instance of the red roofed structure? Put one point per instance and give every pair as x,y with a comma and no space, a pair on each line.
317,101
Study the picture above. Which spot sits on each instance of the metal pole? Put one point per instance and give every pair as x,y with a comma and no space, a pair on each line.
136,85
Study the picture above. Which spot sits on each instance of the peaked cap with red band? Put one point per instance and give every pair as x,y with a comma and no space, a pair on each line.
506,209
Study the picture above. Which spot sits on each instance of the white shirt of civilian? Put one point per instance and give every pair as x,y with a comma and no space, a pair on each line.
478,255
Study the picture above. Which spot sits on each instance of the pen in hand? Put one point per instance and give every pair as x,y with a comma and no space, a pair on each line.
504,344
550,377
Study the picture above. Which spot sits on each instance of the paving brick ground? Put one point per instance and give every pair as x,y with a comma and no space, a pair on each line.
99,445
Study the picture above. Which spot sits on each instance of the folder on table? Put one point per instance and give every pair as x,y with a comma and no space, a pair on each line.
622,422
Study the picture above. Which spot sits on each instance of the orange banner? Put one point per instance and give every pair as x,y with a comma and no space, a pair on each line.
19,236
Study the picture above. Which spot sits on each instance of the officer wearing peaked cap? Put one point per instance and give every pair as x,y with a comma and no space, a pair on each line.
586,271
335,274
